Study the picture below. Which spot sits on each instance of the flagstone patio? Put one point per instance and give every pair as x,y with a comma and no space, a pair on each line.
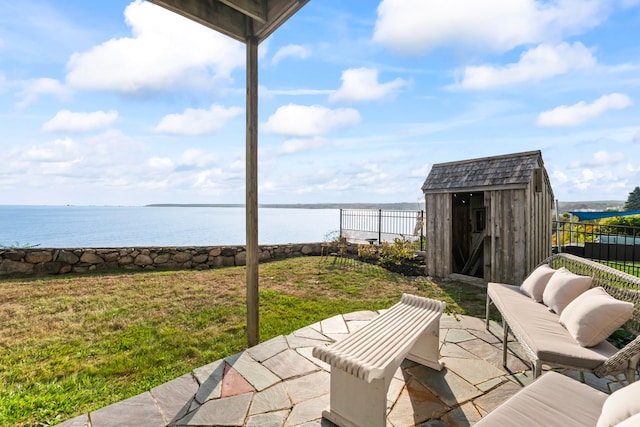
279,383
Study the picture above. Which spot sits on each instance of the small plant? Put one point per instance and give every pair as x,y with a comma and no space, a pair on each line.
368,253
399,256
398,253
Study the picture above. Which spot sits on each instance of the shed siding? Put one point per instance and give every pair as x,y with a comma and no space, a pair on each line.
438,234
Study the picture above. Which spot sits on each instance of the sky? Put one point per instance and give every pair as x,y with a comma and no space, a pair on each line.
125,103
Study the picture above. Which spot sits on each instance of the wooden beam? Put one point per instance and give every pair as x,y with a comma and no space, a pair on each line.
210,13
256,9
252,191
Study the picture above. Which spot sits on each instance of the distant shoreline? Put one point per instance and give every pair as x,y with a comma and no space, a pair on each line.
403,206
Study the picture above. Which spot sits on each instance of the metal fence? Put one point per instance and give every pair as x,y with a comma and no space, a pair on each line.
614,245
378,226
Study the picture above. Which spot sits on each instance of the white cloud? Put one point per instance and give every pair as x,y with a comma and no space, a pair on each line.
636,137
295,145
579,113
44,86
160,163
55,151
599,158
291,51
422,171
541,62
197,121
197,159
165,49
417,26
361,84
305,121
67,121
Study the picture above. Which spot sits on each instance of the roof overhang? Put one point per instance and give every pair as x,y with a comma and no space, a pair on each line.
238,19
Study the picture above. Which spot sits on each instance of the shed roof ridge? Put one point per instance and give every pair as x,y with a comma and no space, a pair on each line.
487,159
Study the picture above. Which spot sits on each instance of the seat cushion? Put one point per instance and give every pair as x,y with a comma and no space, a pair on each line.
562,288
552,400
540,330
535,283
594,315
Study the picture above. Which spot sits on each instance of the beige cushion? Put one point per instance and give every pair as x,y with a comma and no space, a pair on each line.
551,400
620,405
536,282
594,315
630,422
562,288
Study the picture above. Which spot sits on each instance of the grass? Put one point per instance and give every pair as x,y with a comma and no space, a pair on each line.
72,344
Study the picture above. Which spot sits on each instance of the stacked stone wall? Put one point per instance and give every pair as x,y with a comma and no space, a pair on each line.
41,261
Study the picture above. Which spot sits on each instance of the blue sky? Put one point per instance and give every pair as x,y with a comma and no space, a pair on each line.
124,103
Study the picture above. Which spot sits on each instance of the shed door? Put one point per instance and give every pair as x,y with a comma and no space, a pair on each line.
467,233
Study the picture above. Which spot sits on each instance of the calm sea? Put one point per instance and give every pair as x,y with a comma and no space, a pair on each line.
117,226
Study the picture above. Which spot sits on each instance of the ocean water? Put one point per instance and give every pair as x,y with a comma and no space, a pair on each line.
123,226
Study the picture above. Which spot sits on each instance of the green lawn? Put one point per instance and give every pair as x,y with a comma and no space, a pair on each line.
72,344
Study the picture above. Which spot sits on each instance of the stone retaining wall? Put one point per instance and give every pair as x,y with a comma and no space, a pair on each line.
40,261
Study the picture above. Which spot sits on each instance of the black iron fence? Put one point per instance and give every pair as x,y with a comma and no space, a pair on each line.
378,226
614,245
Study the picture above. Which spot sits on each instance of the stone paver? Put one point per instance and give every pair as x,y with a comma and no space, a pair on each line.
458,335
279,383
415,405
228,411
289,364
334,325
174,398
255,373
475,371
308,410
272,399
139,410
462,416
268,349
273,419
308,386
447,385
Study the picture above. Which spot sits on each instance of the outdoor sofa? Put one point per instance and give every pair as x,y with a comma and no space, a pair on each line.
555,400
564,311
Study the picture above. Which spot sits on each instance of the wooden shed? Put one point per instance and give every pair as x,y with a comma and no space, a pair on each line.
489,217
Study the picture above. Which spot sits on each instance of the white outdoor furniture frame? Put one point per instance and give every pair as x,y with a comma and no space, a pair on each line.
363,363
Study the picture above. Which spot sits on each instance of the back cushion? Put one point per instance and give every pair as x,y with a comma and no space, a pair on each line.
535,284
562,288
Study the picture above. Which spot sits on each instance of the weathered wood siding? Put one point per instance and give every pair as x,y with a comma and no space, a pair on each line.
438,234
505,244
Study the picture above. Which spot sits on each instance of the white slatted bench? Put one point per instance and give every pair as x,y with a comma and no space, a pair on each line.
363,363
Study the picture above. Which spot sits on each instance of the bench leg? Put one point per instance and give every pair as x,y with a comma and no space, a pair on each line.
487,313
537,368
426,351
355,402
505,336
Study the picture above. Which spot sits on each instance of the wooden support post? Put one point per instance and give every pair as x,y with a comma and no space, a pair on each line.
252,191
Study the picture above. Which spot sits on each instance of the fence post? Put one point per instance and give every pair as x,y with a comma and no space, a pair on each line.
422,230
341,223
379,226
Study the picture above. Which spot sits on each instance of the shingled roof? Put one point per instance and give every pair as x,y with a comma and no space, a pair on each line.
507,170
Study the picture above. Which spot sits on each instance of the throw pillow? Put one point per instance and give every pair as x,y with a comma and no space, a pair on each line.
594,315
562,288
620,405
630,422
535,283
